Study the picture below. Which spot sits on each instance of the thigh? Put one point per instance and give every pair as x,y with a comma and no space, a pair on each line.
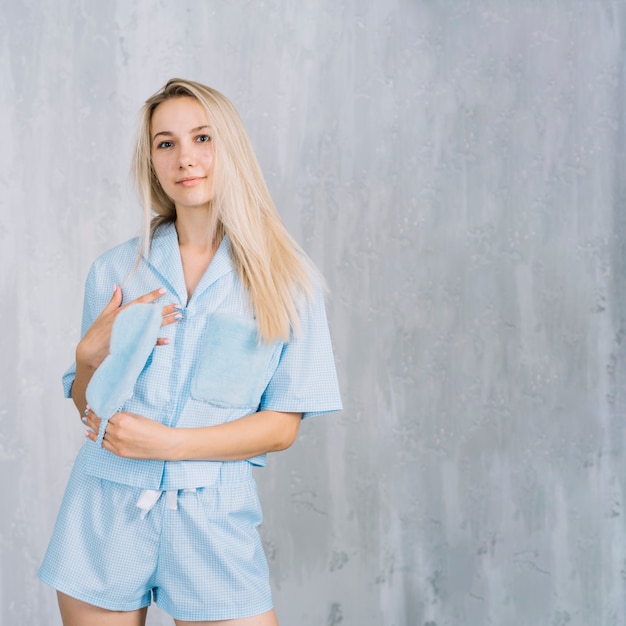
265,619
78,613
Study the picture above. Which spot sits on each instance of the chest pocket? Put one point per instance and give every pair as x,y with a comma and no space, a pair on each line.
232,367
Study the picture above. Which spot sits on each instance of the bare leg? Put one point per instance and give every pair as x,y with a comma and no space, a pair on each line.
77,613
265,619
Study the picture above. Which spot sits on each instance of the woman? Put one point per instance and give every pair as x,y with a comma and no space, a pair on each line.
161,503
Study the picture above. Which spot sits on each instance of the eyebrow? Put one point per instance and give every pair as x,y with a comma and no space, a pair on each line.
169,133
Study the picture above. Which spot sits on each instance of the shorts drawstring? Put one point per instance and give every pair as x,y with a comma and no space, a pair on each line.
149,497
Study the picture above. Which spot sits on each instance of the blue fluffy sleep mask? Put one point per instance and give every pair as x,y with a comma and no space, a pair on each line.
133,337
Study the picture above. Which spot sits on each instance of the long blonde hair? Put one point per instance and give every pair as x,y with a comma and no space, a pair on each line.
270,264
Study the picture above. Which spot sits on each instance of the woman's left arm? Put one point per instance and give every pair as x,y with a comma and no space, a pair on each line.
137,437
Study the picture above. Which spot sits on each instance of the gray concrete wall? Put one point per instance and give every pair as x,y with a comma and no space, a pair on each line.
455,168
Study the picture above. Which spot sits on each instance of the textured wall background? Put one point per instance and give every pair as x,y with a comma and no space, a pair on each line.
456,169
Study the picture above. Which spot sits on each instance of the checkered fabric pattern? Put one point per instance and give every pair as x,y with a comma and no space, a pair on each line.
201,560
192,545
213,340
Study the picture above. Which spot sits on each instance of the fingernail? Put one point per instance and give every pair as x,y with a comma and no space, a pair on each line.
165,340
178,307
178,316
87,433
114,288
162,290
84,420
87,409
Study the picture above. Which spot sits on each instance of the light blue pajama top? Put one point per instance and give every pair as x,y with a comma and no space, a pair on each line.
214,370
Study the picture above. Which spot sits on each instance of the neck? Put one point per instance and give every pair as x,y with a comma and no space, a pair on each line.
196,229
196,232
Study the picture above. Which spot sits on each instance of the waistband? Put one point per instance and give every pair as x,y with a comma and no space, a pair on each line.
159,475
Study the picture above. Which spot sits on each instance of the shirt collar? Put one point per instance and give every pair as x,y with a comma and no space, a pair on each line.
164,257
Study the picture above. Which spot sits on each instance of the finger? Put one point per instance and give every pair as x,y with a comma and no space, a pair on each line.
150,297
171,319
84,418
93,417
106,443
162,341
171,314
92,421
116,299
171,309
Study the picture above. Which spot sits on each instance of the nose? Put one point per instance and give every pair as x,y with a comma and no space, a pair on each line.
185,156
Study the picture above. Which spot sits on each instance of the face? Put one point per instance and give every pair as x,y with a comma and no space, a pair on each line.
182,152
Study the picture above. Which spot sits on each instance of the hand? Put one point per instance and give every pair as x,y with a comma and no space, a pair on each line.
93,348
134,436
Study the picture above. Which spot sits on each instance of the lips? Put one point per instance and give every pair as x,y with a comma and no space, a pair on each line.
190,181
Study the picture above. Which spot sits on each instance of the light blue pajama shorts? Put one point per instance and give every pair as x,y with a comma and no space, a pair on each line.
196,552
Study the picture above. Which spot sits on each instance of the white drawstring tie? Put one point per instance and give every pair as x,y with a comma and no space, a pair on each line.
149,497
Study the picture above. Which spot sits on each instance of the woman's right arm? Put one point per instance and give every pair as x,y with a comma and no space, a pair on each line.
93,348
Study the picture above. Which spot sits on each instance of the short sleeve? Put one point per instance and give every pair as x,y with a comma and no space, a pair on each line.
305,380
94,302
68,380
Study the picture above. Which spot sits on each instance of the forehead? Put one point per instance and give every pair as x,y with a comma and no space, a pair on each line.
181,114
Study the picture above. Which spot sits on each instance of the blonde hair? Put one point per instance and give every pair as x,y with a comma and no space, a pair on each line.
271,265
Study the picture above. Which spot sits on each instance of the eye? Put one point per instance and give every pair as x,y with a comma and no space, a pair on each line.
165,144
203,138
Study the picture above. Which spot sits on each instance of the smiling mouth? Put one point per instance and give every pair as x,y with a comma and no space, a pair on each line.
190,181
